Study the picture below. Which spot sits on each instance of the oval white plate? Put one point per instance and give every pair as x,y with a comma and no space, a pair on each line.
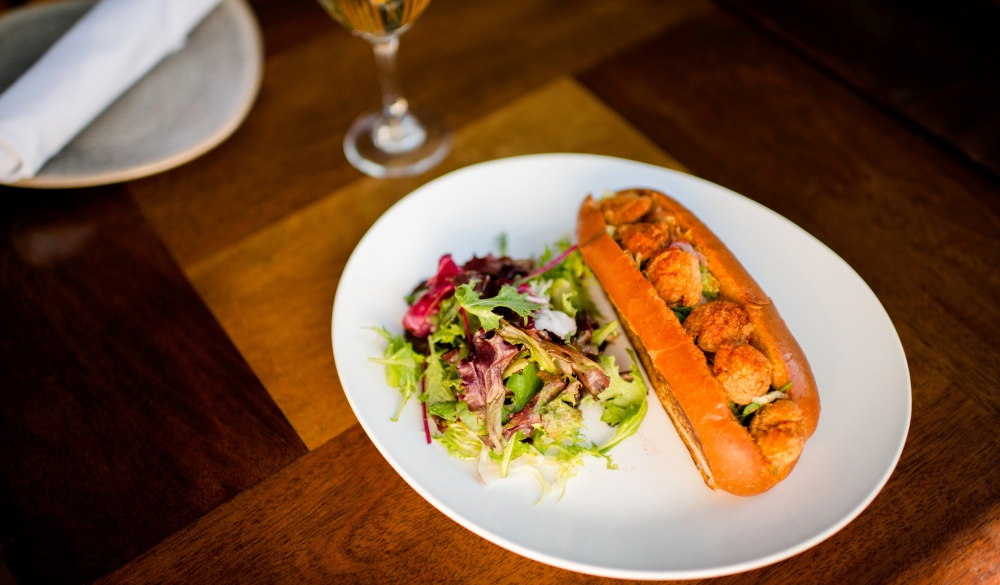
185,106
653,518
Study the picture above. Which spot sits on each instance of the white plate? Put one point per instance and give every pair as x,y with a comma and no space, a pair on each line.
653,518
185,106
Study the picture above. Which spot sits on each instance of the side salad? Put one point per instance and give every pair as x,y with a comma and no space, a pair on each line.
503,355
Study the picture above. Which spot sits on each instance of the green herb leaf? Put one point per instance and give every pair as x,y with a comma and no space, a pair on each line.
508,297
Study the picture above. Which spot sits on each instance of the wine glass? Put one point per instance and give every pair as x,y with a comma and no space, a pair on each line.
396,140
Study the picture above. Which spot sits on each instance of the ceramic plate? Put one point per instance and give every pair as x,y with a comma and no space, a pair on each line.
653,518
189,103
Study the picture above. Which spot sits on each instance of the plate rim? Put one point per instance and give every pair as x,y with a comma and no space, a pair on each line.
603,571
245,16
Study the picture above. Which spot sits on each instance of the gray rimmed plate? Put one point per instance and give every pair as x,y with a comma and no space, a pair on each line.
188,104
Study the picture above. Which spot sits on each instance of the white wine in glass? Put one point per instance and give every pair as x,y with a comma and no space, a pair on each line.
396,140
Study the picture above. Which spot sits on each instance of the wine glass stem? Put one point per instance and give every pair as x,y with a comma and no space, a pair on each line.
397,130
393,103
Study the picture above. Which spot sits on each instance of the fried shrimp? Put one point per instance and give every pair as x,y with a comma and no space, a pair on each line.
779,433
743,371
676,276
717,323
644,239
625,208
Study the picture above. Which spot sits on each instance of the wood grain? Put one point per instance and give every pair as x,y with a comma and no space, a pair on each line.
338,515
464,58
127,412
921,228
289,23
934,62
131,423
273,291
341,514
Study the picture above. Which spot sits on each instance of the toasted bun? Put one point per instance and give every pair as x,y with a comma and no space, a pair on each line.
727,455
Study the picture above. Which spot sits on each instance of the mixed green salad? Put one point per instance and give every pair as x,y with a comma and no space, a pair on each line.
503,354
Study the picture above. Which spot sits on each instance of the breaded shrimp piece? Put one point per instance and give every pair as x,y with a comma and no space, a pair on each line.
676,276
645,239
717,323
743,371
777,428
625,208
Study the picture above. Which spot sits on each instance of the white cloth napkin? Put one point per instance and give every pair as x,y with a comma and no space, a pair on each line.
107,51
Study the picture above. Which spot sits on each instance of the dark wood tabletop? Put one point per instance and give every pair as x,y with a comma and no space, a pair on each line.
171,408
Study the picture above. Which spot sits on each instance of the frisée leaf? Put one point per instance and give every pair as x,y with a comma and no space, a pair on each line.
402,364
461,441
624,402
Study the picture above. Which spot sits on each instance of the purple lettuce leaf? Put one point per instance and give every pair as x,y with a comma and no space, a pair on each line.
482,378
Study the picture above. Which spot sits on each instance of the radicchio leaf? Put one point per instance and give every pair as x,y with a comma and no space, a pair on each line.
417,319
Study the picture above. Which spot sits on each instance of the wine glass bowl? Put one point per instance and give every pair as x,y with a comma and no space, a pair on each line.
396,140
375,18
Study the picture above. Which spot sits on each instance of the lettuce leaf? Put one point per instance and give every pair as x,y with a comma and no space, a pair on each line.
709,284
561,421
445,410
461,441
607,331
538,355
441,381
451,334
563,297
681,313
508,297
458,410
625,404
403,366
524,384
573,270
511,450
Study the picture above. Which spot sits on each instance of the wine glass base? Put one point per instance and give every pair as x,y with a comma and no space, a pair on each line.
359,146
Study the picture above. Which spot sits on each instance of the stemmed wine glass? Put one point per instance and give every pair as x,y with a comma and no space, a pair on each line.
396,140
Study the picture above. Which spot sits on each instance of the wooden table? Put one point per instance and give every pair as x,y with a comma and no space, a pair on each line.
172,412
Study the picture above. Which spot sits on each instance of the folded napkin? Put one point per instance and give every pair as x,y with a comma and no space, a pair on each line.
107,51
